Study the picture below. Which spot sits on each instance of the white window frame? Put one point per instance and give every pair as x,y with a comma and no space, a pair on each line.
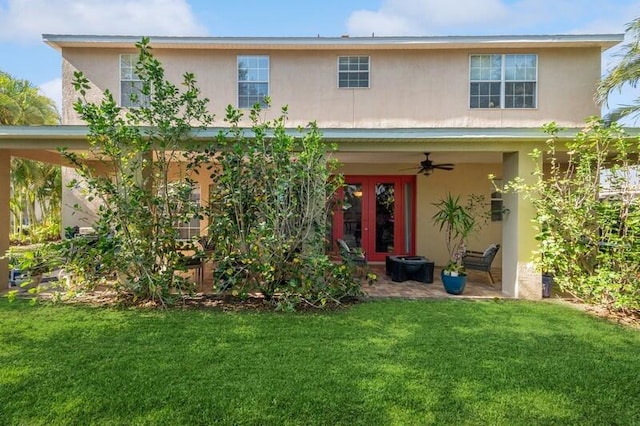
354,71
130,78
259,76
188,230
503,81
496,201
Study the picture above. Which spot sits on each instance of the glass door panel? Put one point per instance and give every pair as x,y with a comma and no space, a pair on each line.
352,215
385,204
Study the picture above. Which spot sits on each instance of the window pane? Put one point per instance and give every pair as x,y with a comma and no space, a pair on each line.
253,80
496,67
520,95
131,94
496,210
126,74
250,94
353,71
484,95
191,228
485,67
520,67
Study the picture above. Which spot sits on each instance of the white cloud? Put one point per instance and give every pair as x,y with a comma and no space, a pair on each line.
25,21
423,17
365,22
53,89
460,17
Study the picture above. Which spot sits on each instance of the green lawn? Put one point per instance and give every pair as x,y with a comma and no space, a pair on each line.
378,363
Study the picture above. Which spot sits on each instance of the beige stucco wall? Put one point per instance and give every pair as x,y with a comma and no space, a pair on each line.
408,88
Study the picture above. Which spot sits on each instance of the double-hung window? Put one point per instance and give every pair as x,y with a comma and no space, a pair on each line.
353,72
130,84
253,80
503,81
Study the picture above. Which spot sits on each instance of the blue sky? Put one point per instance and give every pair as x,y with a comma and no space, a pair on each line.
24,55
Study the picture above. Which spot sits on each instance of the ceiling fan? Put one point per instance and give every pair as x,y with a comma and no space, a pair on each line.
427,166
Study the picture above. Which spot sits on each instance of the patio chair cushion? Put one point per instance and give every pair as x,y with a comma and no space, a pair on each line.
350,256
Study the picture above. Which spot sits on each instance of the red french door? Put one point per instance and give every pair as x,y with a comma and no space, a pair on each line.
377,215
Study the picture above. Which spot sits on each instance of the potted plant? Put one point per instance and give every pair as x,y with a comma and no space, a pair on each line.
458,222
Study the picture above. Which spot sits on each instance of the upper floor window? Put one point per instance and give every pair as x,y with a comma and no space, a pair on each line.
253,80
130,84
353,72
503,81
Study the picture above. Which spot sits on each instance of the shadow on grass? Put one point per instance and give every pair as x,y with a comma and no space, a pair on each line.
386,362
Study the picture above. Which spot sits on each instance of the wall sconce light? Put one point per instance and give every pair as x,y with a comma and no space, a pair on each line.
357,194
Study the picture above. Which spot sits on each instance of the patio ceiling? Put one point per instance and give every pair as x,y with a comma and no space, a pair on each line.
413,158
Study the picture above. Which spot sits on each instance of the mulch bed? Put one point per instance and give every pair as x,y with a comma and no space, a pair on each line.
220,302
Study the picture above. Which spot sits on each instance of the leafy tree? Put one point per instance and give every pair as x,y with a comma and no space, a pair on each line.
142,199
626,72
588,215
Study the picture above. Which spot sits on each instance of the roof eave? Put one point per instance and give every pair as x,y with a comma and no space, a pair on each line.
75,137
604,41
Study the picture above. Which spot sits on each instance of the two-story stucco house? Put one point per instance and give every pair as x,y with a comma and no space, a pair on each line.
475,102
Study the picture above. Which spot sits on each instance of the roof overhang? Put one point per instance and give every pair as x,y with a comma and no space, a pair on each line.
602,41
75,137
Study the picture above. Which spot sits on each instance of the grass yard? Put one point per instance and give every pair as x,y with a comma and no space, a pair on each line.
377,363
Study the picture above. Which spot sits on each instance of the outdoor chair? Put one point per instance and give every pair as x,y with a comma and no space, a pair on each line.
481,260
349,255
193,258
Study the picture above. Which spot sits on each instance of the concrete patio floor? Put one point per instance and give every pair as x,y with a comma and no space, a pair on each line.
478,286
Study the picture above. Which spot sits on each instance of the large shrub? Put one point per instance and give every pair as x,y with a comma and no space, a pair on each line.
269,206
588,214
142,194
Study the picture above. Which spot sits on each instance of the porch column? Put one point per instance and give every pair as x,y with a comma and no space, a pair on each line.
519,277
5,171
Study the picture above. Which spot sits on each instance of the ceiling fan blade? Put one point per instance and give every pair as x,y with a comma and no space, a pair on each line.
443,166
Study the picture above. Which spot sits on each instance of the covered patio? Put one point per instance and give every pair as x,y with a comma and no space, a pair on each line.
363,151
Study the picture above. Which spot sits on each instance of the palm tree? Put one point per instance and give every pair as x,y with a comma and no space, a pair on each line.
21,104
32,183
627,72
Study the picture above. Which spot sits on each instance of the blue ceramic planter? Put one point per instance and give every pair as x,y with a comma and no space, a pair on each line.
453,285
